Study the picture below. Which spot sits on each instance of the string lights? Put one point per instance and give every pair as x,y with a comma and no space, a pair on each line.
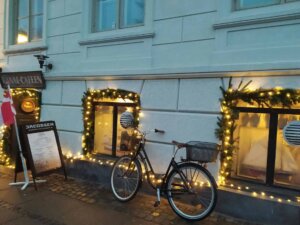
107,95
5,131
263,98
226,126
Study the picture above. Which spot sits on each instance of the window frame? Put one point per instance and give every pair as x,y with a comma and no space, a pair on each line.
115,121
236,5
10,47
88,37
16,19
119,17
271,149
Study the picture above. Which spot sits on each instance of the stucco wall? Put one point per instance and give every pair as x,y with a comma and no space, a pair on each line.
187,36
180,37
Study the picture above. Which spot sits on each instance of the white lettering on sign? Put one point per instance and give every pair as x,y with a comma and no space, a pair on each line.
39,125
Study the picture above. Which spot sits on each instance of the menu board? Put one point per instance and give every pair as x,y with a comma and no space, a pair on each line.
43,147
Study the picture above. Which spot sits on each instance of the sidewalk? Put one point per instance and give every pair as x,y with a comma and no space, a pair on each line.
60,202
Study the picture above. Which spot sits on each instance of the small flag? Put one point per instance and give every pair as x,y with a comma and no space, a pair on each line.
8,111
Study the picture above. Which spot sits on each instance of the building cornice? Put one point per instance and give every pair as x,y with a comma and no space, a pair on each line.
258,73
253,21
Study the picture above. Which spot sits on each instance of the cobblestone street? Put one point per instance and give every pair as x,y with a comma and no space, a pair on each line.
59,202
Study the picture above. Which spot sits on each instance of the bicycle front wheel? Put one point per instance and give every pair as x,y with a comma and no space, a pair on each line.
125,178
191,191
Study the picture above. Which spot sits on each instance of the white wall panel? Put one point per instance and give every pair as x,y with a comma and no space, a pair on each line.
55,45
73,92
109,51
160,156
71,43
66,118
264,36
175,8
73,6
53,93
172,34
160,94
199,95
197,27
70,142
183,54
64,25
56,8
65,63
21,62
182,127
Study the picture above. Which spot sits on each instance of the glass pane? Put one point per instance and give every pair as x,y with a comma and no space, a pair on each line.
37,7
23,8
133,12
36,30
103,129
252,134
287,164
246,4
125,140
22,35
105,15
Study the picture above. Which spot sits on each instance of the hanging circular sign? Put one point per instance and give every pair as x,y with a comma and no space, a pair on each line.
291,133
28,105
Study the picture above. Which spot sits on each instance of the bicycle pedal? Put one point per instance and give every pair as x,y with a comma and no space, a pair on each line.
156,203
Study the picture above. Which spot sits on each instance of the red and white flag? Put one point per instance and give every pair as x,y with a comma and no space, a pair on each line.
8,111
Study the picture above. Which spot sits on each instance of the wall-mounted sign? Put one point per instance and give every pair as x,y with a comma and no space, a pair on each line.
28,105
42,144
32,79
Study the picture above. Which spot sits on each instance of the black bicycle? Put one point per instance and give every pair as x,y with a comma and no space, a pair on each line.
189,187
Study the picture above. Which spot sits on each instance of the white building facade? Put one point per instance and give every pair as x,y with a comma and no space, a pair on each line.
174,53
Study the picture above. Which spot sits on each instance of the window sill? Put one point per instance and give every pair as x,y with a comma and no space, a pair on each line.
25,48
108,38
254,21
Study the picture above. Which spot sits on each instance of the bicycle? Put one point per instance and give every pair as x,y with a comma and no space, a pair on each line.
189,187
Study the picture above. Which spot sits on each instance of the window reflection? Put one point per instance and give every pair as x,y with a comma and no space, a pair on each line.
29,20
132,12
252,134
287,169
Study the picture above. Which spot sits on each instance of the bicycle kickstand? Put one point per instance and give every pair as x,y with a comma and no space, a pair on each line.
157,202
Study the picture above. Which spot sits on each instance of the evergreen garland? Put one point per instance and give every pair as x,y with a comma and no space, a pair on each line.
6,152
88,112
262,98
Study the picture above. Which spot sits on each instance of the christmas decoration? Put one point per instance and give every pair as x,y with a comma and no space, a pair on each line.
262,98
92,96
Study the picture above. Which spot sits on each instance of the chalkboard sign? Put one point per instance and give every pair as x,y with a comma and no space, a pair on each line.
43,147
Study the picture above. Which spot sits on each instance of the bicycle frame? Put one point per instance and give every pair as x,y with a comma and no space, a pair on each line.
143,158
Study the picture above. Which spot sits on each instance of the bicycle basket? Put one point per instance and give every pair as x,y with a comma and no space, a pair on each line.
202,151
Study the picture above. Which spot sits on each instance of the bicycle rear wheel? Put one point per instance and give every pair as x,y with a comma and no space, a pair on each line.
125,178
191,191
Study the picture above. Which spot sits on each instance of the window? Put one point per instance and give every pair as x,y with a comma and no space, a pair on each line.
262,154
110,138
28,21
247,4
118,14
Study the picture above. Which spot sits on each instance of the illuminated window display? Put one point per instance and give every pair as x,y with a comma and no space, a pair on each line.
262,154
